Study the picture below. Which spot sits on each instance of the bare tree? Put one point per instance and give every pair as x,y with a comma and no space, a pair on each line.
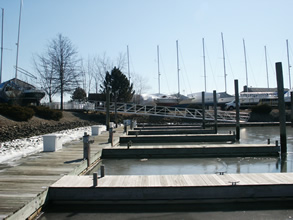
63,65
46,79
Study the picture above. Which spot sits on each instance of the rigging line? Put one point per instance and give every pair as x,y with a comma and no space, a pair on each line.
184,67
211,67
249,63
163,68
271,64
230,64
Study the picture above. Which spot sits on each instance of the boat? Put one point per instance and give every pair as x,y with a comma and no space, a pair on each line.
170,100
195,100
19,92
253,96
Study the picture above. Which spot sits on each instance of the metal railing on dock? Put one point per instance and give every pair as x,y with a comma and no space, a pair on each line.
164,111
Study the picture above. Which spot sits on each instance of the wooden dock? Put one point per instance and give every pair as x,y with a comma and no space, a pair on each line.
171,131
190,151
174,188
24,185
178,138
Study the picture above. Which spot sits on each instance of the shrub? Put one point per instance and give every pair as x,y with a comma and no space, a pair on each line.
47,113
262,109
16,113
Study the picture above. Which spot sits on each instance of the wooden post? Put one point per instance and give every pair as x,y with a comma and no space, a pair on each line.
203,109
110,140
102,170
95,179
291,94
86,148
284,163
215,111
237,109
281,104
108,107
85,141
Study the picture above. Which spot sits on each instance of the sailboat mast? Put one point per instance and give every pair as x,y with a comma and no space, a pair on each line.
128,64
225,75
289,66
2,46
245,63
159,74
17,44
267,67
204,66
178,69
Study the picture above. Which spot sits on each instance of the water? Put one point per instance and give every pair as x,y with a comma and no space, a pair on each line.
250,135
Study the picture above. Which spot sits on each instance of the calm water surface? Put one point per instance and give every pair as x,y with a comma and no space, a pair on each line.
250,135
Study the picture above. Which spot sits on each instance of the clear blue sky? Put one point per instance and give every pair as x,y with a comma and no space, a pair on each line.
96,27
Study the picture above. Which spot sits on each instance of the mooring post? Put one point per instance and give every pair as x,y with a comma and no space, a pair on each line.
237,110
86,148
203,109
131,125
125,127
269,141
108,107
85,141
102,170
110,140
215,111
291,94
281,105
95,179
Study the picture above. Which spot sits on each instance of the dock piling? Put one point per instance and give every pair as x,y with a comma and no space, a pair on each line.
291,94
95,179
281,105
110,140
237,110
102,170
215,111
203,110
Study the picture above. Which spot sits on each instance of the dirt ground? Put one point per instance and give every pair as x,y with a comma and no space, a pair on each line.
10,129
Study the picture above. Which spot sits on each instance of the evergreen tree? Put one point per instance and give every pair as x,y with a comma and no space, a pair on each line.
79,94
120,88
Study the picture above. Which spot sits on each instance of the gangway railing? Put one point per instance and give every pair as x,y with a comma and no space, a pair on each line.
165,111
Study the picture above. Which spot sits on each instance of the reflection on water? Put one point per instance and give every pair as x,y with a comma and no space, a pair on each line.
250,135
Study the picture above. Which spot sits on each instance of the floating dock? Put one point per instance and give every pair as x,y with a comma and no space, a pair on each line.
178,138
26,184
190,151
162,189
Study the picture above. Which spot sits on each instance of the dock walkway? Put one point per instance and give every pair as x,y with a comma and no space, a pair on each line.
174,188
24,186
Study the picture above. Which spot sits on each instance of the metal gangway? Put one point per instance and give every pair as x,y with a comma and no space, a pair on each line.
165,111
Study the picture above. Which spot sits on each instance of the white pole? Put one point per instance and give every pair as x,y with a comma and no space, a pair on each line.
17,44
159,74
128,63
204,66
178,69
225,75
245,63
289,66
267,67
2,46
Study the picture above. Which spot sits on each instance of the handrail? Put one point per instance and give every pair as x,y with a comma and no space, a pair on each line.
164,111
